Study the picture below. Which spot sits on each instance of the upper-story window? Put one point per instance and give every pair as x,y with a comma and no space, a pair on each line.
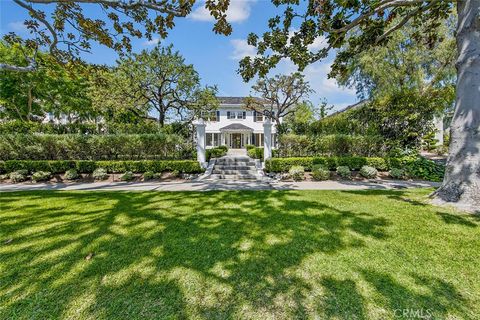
236,114
258,116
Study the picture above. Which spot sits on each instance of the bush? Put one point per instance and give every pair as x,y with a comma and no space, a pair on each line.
71,174
175,173
291,145
184,166
94,147
223,147
425,169
344,172
41,176
255,153
18,176
297,173
148,175
127,176
4,177
320,173
397,173
249,146
368,172
100,174
216,152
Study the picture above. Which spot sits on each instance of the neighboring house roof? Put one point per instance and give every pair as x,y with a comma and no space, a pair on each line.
236,100
350,107
236,127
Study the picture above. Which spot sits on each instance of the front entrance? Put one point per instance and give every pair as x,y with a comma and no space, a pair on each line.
236,141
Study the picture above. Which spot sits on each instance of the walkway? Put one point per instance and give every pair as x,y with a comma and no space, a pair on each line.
221,185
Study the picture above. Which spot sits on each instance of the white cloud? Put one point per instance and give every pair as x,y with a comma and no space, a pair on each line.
242,49
238,11
152,42
18,26
318,44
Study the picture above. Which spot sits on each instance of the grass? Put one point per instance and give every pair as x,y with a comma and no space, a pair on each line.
251,255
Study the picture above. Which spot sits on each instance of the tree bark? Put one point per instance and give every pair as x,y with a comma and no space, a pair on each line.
461,185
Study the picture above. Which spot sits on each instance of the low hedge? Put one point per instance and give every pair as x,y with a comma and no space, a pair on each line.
86,166
255,152
216,152
415,167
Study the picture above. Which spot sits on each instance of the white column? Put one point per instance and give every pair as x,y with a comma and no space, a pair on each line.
200,126
438,127
267,139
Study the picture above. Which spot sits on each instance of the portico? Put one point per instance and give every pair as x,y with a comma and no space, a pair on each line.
236,135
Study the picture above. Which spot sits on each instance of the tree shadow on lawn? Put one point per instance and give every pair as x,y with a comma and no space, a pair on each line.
183,254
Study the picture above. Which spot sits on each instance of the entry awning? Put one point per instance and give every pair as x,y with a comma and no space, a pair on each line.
236,127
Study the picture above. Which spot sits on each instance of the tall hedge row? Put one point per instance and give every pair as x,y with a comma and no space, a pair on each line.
94,147
291,145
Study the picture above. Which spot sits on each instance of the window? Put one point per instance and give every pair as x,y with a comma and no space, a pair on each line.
258,139
241,115
230,115
258,116
212,139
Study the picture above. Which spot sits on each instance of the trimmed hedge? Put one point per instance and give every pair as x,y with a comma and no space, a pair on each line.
415,167
94,147
255,152
82,166
216,152
292,145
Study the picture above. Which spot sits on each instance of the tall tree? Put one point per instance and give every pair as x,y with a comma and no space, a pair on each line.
279,95
53,88
69,30
159,80
363,24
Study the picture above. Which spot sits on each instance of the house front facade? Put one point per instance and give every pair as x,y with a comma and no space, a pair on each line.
235,126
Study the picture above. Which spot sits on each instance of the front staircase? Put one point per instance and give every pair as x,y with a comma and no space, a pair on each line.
234,168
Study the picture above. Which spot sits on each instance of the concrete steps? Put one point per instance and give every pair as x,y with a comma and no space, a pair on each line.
234,168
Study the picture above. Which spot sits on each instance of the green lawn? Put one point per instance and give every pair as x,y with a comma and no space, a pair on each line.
251,255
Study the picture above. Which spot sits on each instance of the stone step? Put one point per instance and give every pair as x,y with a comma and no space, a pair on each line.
234,177
233,167
238,163
235,171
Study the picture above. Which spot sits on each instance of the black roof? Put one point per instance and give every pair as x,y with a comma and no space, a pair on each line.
350,107
234,100
236,126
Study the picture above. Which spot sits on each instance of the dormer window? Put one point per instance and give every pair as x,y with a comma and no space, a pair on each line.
236,115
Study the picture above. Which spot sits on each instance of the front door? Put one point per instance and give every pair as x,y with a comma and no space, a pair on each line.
237,141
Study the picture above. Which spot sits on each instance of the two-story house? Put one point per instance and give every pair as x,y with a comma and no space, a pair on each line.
234,126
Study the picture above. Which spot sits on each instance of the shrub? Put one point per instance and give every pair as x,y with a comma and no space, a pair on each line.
255,153
148,175
127,176
2,167
320,173
175,173
249,146
223,147
216,152
422,168
100,174
18,176
368,172
297,173
184,166
291,145
94,147
397,173
284,164
71,174
4,177
41,176
344,172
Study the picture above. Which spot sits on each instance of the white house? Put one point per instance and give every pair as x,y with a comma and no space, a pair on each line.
235,126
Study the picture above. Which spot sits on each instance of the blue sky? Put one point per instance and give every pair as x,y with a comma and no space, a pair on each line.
215,57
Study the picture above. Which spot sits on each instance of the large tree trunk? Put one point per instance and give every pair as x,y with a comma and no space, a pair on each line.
461,186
